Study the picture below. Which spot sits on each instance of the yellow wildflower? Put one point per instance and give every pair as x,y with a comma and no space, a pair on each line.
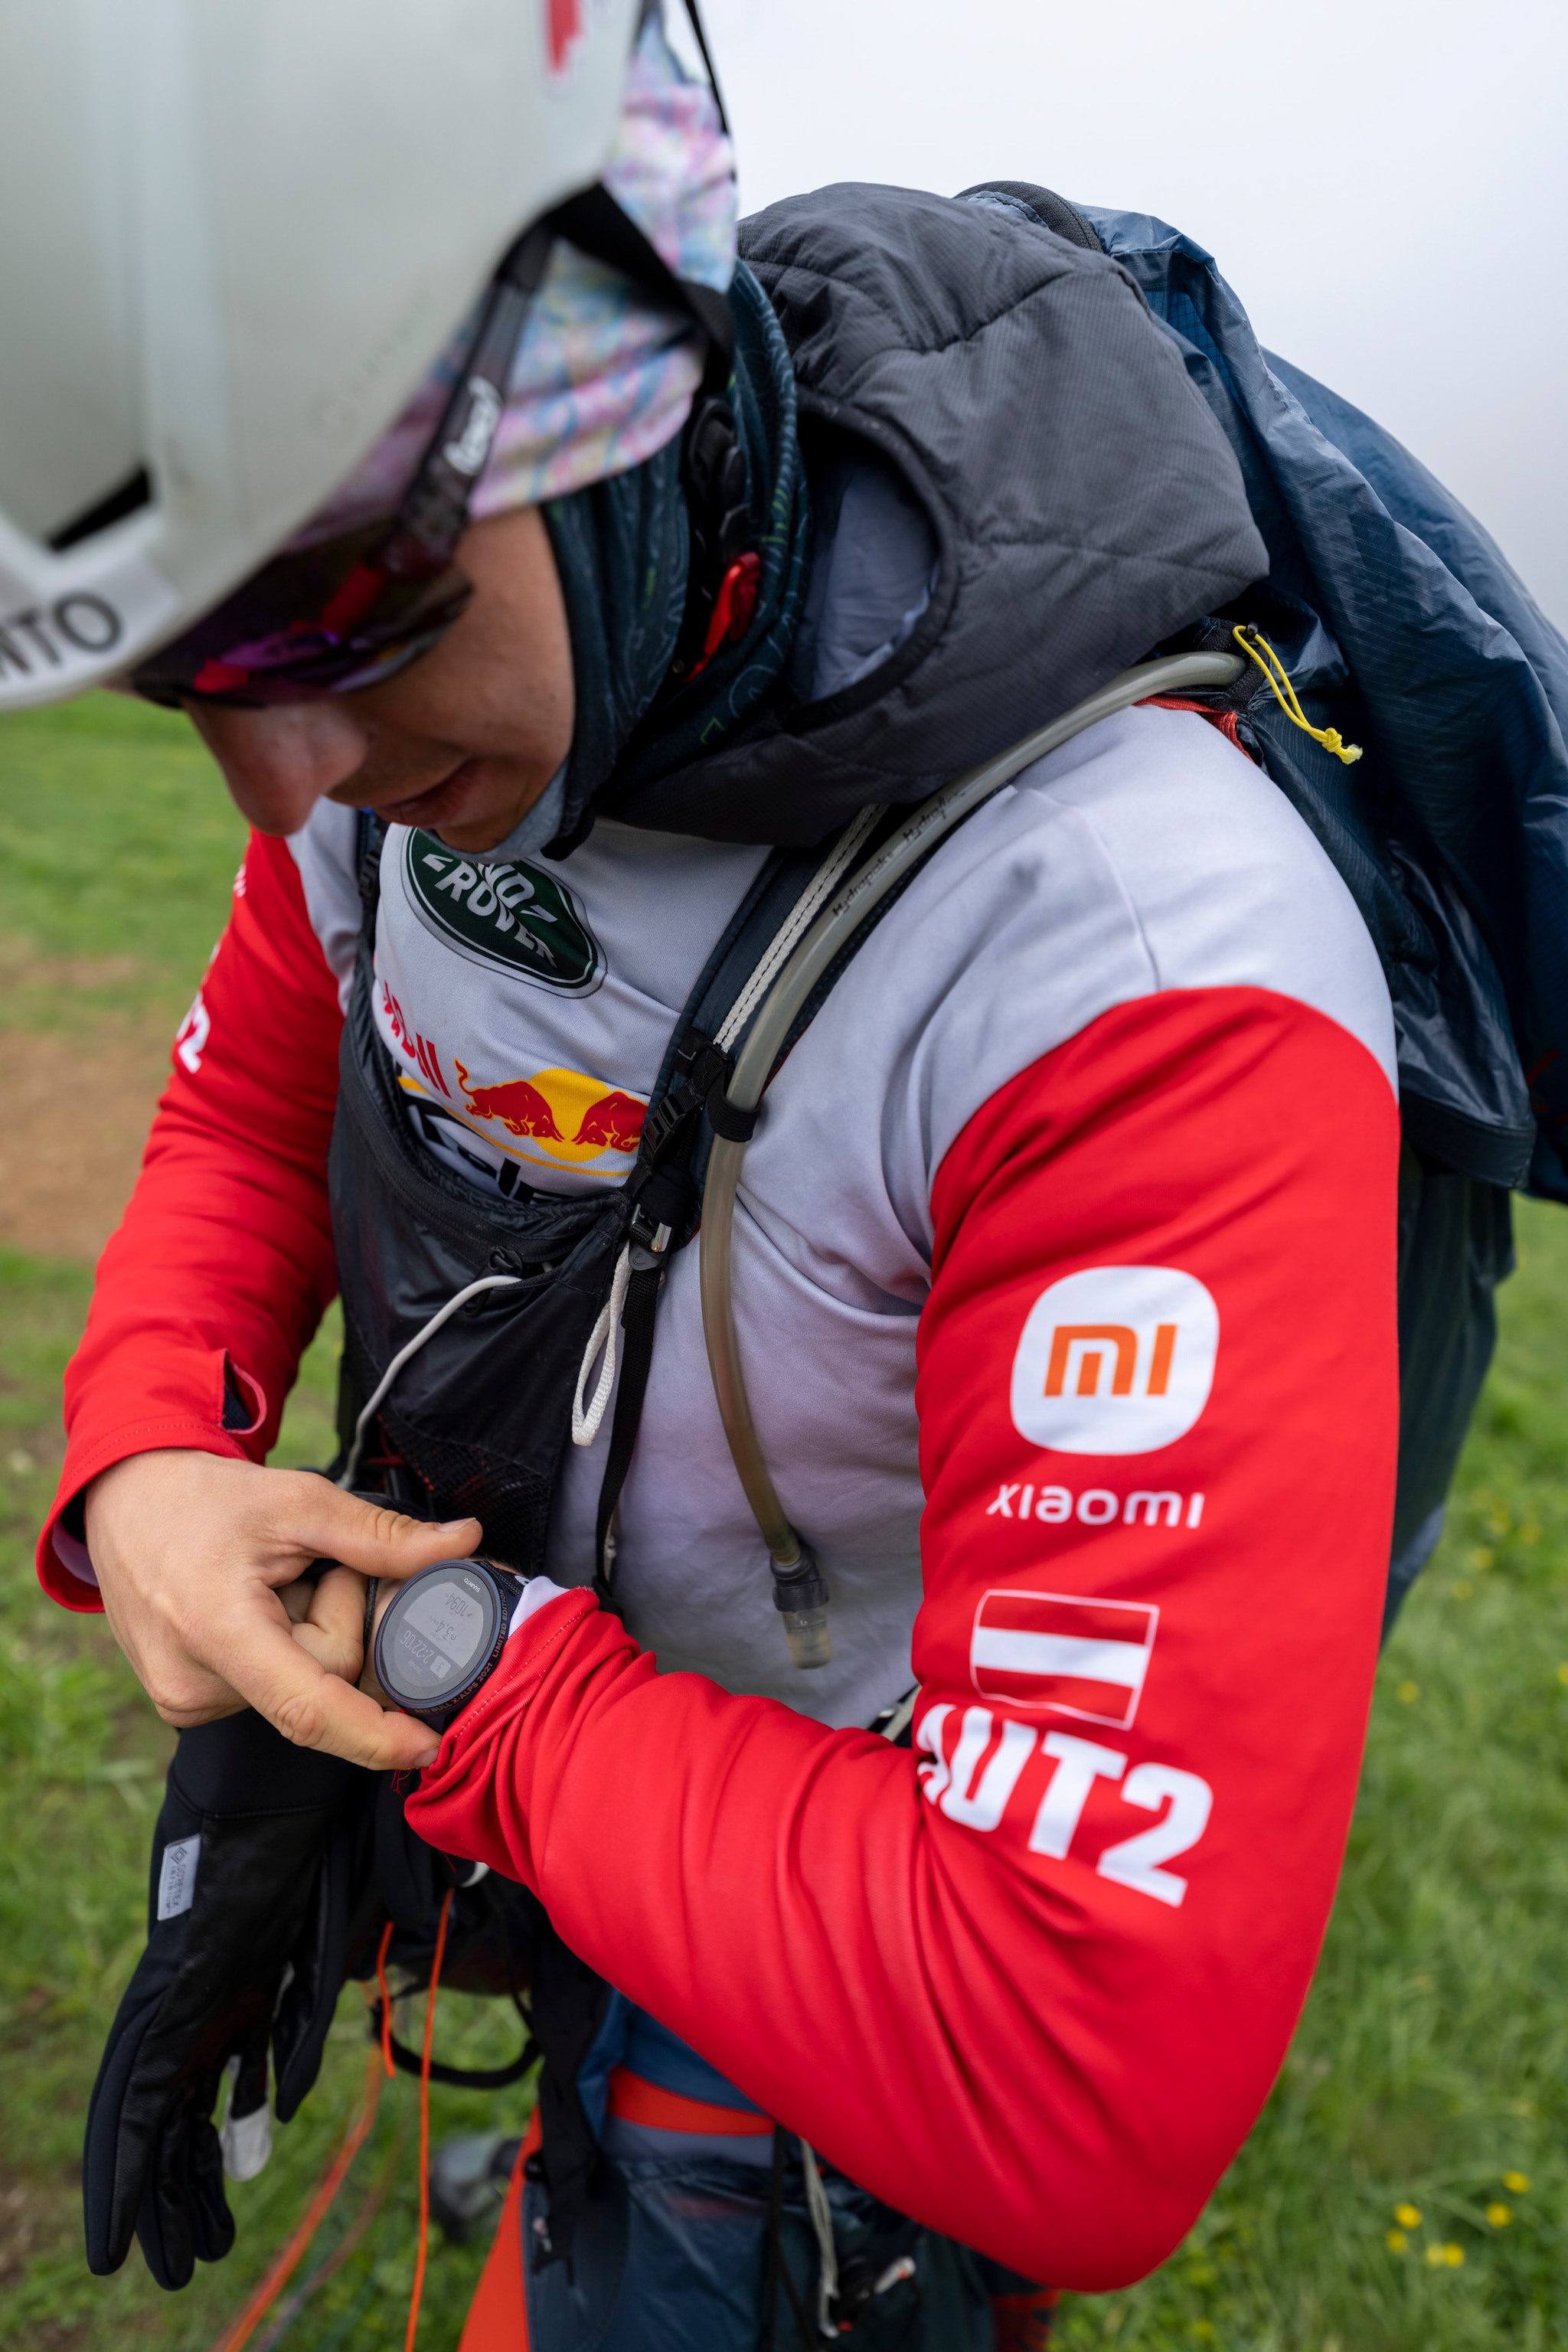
1515,2182
1396,2241
1499,2216
1408,1693
1452,2255
1408,2216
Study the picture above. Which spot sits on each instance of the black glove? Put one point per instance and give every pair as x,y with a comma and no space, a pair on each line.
245,1946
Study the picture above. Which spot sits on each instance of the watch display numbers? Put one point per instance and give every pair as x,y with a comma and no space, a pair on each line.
439,1635
449,1617
438,1638
421,1655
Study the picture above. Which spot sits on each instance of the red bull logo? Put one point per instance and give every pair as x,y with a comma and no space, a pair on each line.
614,1123
563,1116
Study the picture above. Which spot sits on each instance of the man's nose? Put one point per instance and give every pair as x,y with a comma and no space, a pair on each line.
278,763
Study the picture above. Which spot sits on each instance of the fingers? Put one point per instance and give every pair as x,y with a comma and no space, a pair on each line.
315,1708
200,1560
297,1599
330,1622
185,1717
319,1520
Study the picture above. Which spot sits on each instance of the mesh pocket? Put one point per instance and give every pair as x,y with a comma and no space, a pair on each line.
510,1499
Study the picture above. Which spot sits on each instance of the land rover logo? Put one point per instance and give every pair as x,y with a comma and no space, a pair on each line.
511,915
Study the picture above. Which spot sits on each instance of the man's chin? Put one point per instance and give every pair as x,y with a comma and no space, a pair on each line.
461,808
450,801
471,809
470,827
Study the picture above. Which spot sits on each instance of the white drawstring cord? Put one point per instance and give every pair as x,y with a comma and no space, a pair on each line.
425,1331
821,2212
605,1334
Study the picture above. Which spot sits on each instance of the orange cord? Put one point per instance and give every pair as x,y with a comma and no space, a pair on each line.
386,2001
327,2187
425,2127
283,2268
285,2313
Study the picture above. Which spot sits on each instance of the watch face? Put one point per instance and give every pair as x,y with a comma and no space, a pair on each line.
440,1628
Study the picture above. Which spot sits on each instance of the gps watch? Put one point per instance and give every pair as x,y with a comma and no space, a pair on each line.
442,1636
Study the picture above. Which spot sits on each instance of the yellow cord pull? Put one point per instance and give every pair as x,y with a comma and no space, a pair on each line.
1279,678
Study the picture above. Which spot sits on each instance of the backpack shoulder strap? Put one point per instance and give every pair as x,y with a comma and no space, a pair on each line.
690,1106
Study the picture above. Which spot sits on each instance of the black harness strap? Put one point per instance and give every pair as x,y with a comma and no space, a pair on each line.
637,1321
458,2078
689,1107
777,2272
664,1189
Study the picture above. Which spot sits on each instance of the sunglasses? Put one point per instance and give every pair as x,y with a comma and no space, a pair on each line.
353,611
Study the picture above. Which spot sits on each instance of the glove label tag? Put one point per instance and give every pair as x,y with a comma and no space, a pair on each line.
177,1877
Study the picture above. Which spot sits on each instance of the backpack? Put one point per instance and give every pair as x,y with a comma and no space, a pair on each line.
1400,622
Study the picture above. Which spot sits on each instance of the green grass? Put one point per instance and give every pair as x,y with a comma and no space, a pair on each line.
84,1759
117,849
116,845
1433,2057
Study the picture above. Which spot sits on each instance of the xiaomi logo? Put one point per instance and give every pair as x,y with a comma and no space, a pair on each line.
1116,1360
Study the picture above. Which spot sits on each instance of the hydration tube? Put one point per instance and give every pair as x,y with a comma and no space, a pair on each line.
800,1593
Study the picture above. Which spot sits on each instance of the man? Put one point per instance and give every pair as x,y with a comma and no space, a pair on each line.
1064,1259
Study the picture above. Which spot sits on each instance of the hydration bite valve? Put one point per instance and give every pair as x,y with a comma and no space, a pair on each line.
800,1595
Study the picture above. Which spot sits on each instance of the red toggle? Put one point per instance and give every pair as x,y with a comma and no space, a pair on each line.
1022,2323
353,598
734,607
218,677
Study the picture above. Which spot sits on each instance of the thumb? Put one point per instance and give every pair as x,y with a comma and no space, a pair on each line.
372,1537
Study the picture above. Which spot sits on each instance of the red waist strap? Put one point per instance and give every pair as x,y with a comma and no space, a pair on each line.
636,2101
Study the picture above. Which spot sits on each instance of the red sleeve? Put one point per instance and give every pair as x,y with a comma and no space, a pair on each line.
223,1266
1031,1983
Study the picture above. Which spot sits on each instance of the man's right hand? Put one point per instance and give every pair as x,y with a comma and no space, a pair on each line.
192,1551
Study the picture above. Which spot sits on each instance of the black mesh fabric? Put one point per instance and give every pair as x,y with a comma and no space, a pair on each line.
511,1501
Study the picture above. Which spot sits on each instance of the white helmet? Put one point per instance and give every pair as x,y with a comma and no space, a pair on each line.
238,236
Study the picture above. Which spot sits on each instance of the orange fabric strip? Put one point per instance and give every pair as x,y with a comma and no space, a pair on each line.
498,2316
636,2101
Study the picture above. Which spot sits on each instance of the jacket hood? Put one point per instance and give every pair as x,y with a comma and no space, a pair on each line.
1083,499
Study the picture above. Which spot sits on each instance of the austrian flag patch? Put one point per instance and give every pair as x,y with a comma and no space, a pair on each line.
1086,1658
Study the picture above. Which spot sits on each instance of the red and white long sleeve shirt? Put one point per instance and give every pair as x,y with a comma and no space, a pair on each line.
1065,1281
